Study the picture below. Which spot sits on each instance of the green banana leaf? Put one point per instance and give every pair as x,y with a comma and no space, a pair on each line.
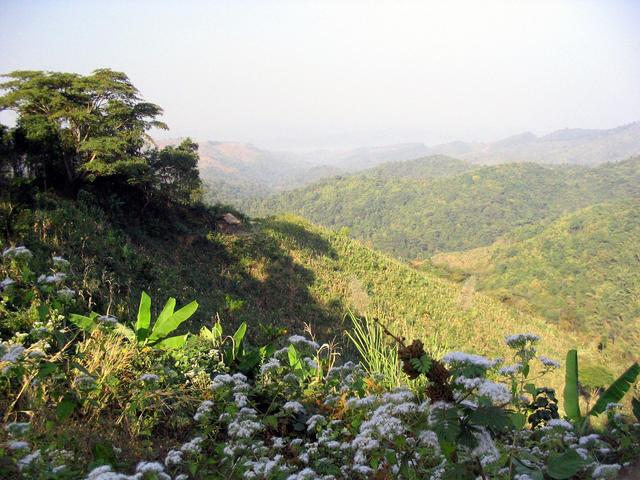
571,395
617,390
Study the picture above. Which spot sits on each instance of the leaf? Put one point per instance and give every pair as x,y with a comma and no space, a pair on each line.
565,465
144,317
249,361
617,390
165,314
294,359
46,369
494,418
82,322
238,337
518,420
172,343
65,408
571,395
635,404
165,326
206,334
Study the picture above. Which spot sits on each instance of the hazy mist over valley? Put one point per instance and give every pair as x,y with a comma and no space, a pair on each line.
302,240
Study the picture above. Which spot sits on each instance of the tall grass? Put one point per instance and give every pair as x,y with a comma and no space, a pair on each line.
378,355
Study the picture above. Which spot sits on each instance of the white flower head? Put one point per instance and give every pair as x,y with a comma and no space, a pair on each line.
17,252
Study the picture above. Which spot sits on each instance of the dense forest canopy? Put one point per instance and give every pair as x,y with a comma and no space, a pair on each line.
72,129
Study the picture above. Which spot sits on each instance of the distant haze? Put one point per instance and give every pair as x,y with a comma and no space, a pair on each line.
298,74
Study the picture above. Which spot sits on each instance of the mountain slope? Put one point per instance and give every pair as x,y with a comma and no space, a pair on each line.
276,272
411,216
580,271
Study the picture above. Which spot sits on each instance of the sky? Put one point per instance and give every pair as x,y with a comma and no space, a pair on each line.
309,74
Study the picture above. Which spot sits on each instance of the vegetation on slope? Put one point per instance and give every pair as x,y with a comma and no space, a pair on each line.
415,217
581,272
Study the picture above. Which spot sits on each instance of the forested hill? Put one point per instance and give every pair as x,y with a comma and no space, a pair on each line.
411,215
580,272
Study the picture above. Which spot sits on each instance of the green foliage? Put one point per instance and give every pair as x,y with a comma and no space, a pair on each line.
415,216
378,356
97,122
571,394
617,390
579,272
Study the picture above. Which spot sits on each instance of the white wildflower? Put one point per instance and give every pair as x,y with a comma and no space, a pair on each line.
17,445
469,359
497,392
60,262
192,446
511,370
66,293
606,471
520,340
293,407
313,421
5,283
204,408
299,340
548,362
149,378
558,422
270,365
37,353
108,320
17,252
174,457
55,278
26,461
13,354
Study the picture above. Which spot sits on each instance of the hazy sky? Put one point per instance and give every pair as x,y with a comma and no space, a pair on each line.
323,73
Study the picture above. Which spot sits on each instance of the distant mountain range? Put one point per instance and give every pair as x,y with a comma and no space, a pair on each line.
571,146
239,170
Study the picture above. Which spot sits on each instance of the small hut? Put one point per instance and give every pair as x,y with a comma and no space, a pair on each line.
228,223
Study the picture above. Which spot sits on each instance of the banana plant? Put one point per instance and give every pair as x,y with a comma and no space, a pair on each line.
616,391
168,321
156,336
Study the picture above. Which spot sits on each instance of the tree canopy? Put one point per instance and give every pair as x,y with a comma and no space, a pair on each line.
90,125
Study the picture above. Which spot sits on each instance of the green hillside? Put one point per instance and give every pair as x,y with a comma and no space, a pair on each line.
415,216
581,271
276,272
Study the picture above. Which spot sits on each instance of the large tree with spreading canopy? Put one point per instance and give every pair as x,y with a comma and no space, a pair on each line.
88,126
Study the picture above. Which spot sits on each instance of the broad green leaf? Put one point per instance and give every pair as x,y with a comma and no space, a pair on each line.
144,317
164,327
571,395
206,334
518,420
65,408
83,322
238,337
165,314
294,359
494,418
249,361
172,343
635,404
617,389
565,465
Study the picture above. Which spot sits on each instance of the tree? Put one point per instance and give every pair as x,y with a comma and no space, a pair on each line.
175,171
98,122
